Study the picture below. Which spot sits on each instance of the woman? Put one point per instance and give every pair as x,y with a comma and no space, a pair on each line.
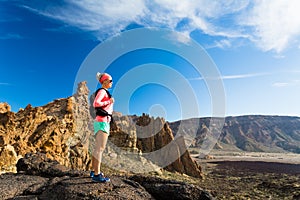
101,125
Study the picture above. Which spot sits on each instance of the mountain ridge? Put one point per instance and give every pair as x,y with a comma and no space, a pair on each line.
257,133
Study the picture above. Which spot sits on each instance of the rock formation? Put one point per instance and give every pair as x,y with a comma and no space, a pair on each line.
61,130
154,141
58,129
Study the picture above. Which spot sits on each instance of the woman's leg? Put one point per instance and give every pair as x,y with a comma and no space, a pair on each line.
100,144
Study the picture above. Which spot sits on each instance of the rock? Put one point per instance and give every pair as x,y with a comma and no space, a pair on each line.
84,188
14,185
8,159
59,129
123,133
39,164
168,189
4,107
21,186
39,177
166,147
146,141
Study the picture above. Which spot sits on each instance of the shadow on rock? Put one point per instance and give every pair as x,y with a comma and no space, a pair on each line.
41,178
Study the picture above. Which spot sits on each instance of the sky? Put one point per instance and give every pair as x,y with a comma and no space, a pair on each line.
254,46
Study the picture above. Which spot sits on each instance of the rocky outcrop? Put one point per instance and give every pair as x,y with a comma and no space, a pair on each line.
62,129
39,177
123,133
4,107
58,129
154,140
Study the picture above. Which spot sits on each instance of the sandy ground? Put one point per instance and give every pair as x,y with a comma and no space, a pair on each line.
251,175
251,156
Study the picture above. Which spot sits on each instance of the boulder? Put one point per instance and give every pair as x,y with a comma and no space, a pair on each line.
169,189
8,158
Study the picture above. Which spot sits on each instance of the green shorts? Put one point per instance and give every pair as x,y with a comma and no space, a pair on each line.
101,126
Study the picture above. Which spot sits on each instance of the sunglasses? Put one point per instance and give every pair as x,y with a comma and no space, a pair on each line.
110,81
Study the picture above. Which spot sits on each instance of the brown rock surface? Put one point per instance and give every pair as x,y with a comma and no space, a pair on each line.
155,140
58,129
8,158
4,107
123,133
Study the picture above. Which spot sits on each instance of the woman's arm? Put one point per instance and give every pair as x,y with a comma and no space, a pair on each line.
98,100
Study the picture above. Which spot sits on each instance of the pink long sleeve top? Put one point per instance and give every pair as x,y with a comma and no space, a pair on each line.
102,100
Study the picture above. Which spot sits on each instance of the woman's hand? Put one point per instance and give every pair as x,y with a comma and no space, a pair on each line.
112,100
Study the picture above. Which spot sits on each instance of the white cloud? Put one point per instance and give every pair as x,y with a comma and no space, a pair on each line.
10,36
271,25
280,84
103,18
232,77
276,23
4,83
222,44
180,37
287,84
114,15
241,76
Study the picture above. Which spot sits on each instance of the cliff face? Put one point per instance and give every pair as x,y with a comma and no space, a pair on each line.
58,129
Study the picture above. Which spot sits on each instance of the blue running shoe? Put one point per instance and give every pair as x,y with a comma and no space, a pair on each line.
92,173
100,178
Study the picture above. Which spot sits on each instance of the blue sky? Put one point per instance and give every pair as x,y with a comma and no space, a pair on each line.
254,44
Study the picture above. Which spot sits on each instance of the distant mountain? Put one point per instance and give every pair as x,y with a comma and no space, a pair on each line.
256,133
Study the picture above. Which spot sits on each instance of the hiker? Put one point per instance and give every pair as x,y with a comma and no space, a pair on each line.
104,101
